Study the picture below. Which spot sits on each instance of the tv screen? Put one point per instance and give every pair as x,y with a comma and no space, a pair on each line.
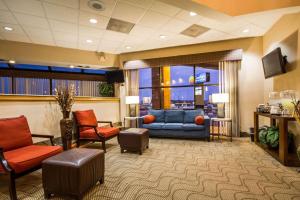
274,63
116,76
202,77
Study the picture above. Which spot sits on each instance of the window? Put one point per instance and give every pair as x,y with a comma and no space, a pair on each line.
181,75
182,98
5,85
145,92
32,86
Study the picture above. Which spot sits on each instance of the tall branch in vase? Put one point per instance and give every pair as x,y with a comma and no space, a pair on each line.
65,99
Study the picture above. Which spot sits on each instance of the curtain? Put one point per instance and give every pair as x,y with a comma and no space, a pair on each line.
132,87
228,83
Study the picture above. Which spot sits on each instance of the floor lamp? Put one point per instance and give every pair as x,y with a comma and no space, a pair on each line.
220,99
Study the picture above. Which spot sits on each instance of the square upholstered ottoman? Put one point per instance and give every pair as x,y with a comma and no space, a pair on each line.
73,172
134,139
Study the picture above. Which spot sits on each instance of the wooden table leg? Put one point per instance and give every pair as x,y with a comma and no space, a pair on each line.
218,130
256,127
283,141
231,131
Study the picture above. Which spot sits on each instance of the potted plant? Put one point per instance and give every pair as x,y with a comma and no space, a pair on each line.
106,90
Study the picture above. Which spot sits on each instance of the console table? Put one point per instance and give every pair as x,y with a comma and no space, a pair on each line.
282,155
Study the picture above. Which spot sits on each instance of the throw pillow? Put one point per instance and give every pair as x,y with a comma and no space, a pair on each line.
148,119
199,120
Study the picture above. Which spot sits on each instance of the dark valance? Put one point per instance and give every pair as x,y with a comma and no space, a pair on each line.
210,57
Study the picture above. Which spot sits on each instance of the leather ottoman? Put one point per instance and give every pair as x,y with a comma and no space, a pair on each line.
73,172
134,139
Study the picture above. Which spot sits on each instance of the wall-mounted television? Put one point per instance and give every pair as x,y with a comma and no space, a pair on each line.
116,76
274,63
202,77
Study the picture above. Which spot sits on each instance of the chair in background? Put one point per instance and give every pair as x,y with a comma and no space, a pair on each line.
18,155
87,128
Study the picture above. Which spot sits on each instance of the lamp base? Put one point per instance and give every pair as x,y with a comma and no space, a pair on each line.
221,110
132,110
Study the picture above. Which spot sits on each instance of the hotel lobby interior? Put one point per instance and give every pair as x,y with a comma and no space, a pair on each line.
150,99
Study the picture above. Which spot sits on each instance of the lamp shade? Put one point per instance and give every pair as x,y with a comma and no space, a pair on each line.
220,98
132,99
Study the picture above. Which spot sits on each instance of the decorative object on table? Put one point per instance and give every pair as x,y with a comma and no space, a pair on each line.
132,101
287,99
220,99
65,98
263,108
106,90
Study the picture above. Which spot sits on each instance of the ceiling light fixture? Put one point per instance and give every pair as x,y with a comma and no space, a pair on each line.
72,66
11,61
192,14
7,28
89,41
93,21
162,36
128,47
246,30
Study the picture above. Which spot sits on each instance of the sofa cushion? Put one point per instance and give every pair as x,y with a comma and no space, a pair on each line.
199,120
158,114
189,115
155,125
172,126
149,119
193,127
14,133
174,116
86,117
104,131
28,157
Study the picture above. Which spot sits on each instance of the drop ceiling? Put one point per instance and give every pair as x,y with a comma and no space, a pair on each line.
65,23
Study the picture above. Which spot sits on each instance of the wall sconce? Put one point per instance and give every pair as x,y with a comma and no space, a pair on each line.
101,56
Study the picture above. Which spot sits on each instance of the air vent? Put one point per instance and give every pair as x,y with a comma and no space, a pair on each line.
195,30
96,5
119,26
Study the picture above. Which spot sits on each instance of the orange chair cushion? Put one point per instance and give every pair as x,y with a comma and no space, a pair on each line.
14,133
104,131
148,119
28,157
199,120
86,117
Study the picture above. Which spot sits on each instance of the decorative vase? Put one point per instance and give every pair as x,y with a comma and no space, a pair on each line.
66,114
66,126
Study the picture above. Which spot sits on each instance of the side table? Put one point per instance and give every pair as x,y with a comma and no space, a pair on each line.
131,119
221,124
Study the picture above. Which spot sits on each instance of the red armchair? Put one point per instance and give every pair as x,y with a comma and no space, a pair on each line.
87,128
18,155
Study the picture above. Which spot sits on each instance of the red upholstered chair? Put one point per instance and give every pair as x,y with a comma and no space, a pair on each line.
18,154
88,129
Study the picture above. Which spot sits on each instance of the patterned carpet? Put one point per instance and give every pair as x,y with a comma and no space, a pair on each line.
185,169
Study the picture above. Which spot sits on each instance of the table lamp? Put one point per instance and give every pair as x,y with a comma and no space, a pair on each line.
132,101
220,99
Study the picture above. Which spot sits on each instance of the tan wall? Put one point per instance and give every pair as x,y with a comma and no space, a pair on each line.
44,116
285,34
251,78
50,55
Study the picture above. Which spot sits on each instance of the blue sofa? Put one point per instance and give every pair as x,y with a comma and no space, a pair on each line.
177,124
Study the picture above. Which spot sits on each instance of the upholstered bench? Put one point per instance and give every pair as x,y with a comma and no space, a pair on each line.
134,139
73,172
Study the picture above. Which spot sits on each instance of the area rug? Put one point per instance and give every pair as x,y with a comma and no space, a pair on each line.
184,169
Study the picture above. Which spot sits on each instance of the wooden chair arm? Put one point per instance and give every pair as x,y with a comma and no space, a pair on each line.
44,136
108,122
4,162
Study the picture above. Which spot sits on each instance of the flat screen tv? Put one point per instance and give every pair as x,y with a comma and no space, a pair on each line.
116,76
202,77
274,63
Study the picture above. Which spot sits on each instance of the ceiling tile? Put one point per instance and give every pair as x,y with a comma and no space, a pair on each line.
90,32
109,44
185,16
2,6
165,9
141,31
32,7
7,17
30,20
127,12
140,3
67,3
153,20
109,6
113,36
253,30
212,35
63,26
61,13
66,44
37,32
84,18
175,26
82,44
43,41
17,29
63,36
15,37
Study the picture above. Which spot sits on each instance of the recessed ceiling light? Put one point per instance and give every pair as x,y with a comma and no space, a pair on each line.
128,47
7,28
93,21
162,36
72,66
246,30
89,41
193,14
11,61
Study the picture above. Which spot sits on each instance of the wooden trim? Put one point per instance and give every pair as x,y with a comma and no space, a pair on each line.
30,98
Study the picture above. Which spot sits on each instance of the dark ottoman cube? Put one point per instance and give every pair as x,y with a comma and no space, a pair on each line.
73,172
134,139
